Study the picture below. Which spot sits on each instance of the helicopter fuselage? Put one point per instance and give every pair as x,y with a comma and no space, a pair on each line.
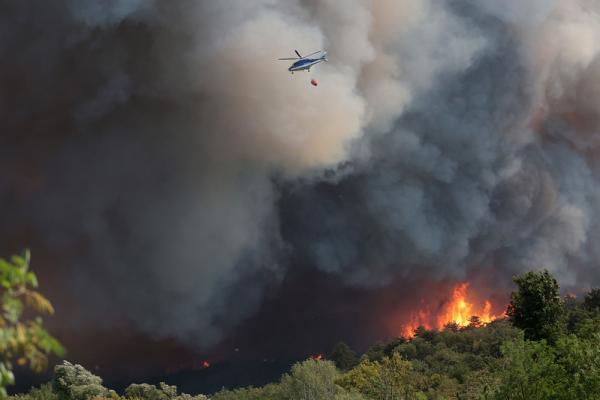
305,63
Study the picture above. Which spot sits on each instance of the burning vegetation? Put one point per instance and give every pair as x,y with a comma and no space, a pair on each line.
461,308
544,338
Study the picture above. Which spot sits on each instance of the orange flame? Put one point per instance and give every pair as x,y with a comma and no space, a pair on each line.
457,310
317,357
205,364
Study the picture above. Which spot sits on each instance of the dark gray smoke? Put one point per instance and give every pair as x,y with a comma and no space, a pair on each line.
163,154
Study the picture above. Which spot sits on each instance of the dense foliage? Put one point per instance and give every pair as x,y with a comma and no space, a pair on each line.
549,348
536,307
343,356
22,335
73,382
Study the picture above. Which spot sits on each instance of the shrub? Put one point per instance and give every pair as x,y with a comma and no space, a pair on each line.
311,380
162,392
44,392
73,382
151,392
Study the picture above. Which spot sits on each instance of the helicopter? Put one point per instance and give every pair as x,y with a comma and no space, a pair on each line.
304,62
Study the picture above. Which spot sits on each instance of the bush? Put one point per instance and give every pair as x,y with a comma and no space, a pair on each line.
592,300
151,392
308,380
268,392
579,360
529,371
311,380
44,392
185,396
390,378
73,382
162,392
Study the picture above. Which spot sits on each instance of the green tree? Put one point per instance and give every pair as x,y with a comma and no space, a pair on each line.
22,339
579,360
529,371
44,392
574,313
376,352
587,328
392,345
269,392
161,392
535,370
363,378
311,380
151,392
389,379
591,301
536,306
348,396
308,380
73,382
343,356
481,385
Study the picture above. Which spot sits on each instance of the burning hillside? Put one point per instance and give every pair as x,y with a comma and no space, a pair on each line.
225,204
461,307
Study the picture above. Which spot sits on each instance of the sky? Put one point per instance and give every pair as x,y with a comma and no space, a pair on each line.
184,195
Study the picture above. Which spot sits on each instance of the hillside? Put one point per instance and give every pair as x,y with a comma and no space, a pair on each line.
547,348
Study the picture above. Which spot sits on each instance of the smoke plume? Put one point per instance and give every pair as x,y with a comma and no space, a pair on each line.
159,151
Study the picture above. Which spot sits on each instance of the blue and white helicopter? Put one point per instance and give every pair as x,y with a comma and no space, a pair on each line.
305,62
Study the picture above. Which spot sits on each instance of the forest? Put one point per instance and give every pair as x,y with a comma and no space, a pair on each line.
547,347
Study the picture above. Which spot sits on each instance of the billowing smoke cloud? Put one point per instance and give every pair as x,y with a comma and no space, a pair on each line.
164,154
466,177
